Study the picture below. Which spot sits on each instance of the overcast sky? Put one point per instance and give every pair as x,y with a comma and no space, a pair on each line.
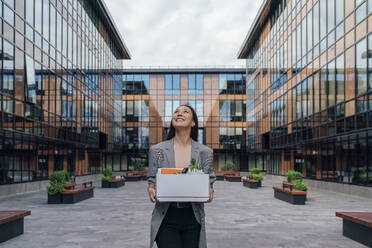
183,32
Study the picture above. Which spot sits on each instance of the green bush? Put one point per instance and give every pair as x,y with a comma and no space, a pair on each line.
299,185
229,166
294,175
59,176
107,174
138,166
254,171
55,188
57,181
257,177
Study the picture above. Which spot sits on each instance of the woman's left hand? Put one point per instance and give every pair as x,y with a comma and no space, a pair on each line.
211,190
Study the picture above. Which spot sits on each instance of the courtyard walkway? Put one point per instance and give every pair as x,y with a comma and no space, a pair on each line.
238,217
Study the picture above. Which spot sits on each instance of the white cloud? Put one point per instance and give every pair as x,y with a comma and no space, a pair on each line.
183,33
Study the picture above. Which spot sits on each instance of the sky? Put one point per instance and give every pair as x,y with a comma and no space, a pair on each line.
183,32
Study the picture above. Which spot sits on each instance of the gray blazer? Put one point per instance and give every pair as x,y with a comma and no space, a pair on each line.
162,156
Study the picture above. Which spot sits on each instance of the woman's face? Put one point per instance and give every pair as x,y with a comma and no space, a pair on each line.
182,118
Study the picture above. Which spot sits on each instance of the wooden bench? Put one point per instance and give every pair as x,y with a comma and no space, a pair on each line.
135,175
288,194
357,226
113,183
220,175
251,183
233,176
11,223
78,194
70,185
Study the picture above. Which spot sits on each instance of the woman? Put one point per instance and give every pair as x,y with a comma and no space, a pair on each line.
179,224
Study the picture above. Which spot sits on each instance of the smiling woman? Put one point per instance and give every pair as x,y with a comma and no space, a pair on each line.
179,224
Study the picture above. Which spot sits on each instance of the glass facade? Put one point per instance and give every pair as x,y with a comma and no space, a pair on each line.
309,106
60,101
149,98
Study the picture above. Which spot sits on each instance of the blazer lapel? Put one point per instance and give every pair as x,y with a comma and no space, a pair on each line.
170,154
194,151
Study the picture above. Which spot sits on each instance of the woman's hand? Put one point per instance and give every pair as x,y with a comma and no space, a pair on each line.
211,191
152,192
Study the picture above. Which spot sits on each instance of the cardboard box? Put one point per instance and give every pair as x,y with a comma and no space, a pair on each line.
182,187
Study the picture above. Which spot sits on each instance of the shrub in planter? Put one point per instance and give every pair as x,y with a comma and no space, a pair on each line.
107,174
229,166
57,181
300,185
257,177
293,175
255,171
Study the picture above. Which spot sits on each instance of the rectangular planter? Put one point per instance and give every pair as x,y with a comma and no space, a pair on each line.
11,229
220,177
105,184
233,178
79,196
252,185
133,178
116,184
357,232
11,223
55,199
290,198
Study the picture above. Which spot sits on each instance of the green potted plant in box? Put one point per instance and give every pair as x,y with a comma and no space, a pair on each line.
106,177
254,180
57,181
295,177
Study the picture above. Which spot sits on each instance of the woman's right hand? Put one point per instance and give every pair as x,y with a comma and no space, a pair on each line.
152,192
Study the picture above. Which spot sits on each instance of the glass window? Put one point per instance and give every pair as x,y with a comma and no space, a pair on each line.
199,83
323,18
8,56
369,54
53,27
339,11
192,84
316,23
59,32
46,19
357,2
340,31
361,13
8,15
30,12
331,15
176,84
168,84
310,30
38,15
361,66
340,79
331,92
222,83
172,84
369,7
31,84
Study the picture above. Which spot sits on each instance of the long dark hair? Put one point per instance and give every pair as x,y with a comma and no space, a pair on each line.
194,130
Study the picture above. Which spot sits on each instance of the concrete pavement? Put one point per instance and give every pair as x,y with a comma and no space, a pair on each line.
238,217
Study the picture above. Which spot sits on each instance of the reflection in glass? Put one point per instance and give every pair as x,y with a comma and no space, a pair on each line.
361,66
